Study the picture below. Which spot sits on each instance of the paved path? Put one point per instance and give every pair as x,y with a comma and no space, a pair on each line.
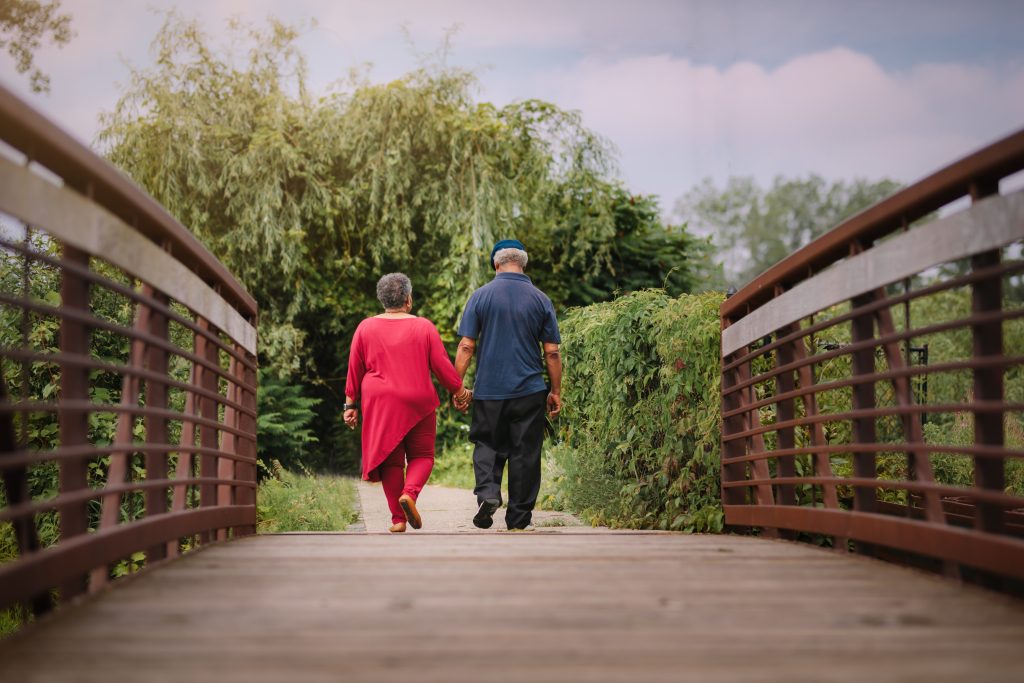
538,607
450,510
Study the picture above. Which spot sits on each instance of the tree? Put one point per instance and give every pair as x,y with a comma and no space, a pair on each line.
753,228
24,24
309,200
641,253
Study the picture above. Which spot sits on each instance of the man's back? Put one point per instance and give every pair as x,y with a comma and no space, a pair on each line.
509,317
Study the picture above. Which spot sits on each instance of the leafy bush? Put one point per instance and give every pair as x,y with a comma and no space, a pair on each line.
293,502
284,420
640,428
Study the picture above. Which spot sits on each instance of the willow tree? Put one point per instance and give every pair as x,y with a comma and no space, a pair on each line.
309,199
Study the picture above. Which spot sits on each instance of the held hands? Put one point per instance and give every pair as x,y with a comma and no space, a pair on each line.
462,399
351,417
554,404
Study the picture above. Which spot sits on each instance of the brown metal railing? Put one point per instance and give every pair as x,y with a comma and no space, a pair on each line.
127,375
873,381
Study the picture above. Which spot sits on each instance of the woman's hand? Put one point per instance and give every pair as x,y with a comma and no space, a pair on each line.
351,417
462,399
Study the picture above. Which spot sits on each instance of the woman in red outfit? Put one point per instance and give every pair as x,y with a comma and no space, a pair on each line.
389,367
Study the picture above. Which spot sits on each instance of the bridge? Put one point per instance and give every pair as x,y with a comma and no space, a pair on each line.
882,480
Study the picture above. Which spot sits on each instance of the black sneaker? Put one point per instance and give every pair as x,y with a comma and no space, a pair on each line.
482,518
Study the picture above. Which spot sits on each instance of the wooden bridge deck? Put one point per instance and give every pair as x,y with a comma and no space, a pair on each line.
545,606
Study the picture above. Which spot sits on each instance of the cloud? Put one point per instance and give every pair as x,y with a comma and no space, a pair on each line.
683,89
836,112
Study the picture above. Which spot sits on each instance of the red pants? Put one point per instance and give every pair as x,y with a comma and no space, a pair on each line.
417,446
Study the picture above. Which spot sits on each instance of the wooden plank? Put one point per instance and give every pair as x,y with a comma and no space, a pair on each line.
538,607
64,214
989,224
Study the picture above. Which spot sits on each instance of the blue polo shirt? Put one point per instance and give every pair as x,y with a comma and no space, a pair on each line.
509,318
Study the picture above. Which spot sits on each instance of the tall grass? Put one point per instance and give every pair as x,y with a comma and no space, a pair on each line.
305,502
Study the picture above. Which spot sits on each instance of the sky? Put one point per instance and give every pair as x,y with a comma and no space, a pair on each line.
684,90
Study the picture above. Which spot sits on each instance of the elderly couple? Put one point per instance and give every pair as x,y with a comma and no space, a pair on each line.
508,321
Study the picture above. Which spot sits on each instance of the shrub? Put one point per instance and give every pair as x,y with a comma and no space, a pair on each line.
640,430
284,420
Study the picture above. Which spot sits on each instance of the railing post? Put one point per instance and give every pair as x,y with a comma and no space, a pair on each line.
732,400
209,436
862,329
156,425
246,446
785,412
186,444
16,488
74,420
117,471
987,297
226,467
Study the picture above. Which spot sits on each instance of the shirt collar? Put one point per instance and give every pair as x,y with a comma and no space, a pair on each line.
513,276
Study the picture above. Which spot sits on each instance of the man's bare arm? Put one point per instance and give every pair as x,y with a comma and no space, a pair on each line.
467,347
553,359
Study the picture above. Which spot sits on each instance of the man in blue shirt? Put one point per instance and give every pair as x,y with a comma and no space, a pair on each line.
509,320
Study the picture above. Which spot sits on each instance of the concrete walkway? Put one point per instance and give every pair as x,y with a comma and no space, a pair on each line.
449,510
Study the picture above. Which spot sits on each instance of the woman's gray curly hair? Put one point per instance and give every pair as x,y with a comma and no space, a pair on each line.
510,255
393,289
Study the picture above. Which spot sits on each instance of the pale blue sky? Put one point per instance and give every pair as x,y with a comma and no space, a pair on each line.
683,89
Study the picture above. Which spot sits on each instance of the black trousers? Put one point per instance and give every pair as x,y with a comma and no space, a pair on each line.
509,430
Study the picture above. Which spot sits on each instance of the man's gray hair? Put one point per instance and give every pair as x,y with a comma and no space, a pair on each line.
393,289
510,255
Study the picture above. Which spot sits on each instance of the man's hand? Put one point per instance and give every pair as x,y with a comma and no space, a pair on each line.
554,404
462,400
553,359
351,417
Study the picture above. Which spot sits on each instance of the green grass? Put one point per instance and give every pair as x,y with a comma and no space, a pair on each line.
10,619
454,467
305,502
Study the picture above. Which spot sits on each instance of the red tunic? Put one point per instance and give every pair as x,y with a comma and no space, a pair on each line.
389,369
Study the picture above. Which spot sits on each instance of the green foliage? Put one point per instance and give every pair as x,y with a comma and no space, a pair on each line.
958,470
12,618
293,502
642,253
283,420
453,465
24,24
640,425
754,228
308,200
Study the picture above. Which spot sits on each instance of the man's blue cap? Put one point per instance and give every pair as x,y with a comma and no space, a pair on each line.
506,244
